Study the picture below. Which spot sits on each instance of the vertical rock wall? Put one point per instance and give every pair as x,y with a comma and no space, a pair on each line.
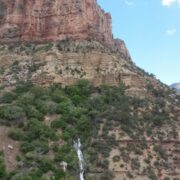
51,20
45,20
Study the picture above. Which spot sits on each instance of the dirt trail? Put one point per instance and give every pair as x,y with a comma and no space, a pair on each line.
9,147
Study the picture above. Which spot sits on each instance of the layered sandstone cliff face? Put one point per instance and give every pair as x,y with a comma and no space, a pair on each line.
66,62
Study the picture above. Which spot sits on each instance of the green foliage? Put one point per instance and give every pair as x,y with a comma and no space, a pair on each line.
58,96
47,107
65,107
79,92
108,175
16,134
12,113
59,123
79,111
39,92
33,112
8,97
38,130
23,87
26,99
27,147
67,154
45,165
160,151
135,164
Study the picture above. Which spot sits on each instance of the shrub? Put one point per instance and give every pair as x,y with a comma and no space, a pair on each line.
116,158
82,88
59,123
102,148
8,97
38,130
66,136
16,134
135,164
58,96
84,126
12,113
27,147
108,175
45,165
149,131
103,163
40,92
160,151
41,147
65,107
129,175
23,87
32,112
59,174
152,175
158,120
26,99
67,154
47,107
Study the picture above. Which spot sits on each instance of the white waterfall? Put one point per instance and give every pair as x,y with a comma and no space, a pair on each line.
77,146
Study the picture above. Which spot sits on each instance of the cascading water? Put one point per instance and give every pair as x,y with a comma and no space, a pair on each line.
77,146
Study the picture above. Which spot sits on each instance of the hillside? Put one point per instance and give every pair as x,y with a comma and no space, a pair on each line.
74,83
121,136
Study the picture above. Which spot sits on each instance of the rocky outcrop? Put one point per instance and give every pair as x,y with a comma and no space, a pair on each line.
66,62
51,20
47,20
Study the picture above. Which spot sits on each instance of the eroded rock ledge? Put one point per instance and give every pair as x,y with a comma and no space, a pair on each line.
66,62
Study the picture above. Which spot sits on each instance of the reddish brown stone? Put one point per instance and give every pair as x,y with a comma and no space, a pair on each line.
46,20
50,20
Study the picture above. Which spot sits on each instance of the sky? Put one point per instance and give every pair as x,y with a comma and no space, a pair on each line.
151,31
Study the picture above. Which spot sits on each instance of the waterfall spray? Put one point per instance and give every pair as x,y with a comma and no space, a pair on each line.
77,146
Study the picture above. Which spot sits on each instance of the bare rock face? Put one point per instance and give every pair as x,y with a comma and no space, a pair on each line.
47,20
51,20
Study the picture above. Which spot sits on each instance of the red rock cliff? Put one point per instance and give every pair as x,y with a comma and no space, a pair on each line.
45,20
49,20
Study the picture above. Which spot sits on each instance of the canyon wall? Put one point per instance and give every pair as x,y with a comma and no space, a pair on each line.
51,20
46,20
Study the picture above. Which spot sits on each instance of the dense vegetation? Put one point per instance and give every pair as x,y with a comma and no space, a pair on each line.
76,111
